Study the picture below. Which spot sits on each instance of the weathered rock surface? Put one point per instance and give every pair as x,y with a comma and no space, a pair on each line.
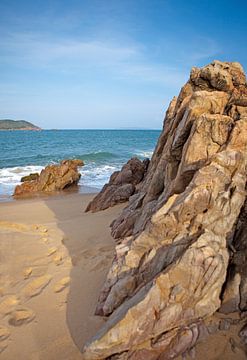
32,176
178,232
52,178
121,186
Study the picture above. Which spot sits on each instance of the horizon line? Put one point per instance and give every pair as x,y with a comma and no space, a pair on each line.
136,129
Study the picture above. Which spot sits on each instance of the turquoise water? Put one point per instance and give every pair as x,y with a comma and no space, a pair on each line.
103,152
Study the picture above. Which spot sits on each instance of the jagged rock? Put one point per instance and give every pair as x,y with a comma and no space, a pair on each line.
175,235
32,176
52,178
121,186
166,172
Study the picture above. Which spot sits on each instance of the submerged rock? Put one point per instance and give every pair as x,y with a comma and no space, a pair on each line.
121,186
179,230
52,178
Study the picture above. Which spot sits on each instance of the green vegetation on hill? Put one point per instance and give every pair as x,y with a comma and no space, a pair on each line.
7,124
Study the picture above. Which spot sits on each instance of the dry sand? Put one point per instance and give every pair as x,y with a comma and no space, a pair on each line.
53,262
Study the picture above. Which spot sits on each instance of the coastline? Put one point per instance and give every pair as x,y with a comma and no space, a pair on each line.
54,262
21,129
75,189
26,152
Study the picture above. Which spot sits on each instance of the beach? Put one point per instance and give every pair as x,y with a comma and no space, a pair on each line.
54,259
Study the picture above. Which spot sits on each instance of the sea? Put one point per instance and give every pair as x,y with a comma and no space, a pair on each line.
103,152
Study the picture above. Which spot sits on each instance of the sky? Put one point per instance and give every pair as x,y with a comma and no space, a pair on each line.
75,64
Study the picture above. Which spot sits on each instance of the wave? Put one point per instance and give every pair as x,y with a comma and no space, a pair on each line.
43,160
144,153
96,176
10,177
91,176
95,173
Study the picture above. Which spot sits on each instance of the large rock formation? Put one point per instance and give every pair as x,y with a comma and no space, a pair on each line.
121,186
178,232
52,178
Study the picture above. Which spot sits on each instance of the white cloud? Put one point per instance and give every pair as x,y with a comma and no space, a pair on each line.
38,50
120,61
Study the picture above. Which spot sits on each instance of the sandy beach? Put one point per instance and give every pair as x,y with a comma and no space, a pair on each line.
54,259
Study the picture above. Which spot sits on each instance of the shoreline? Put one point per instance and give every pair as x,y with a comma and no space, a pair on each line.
54,262
79,190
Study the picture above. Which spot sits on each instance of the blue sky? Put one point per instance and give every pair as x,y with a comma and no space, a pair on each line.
109,64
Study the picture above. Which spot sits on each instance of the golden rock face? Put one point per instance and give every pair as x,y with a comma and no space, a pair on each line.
173,237
52,178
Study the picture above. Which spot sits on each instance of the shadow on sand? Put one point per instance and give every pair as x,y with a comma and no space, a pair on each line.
91,248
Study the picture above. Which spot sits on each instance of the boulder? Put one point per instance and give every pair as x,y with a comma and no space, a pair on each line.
178,234
121,186
52,178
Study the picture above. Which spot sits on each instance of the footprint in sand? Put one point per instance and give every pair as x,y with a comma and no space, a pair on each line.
8,305
68,261
51,251
21,316
62,284
14,226
4,333
27,272
36,286
3,346
58,258
40,228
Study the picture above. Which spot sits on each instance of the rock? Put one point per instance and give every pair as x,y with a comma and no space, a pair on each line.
32,176
121,186
171,263
243,334
225,324
231,295
52,178
197,97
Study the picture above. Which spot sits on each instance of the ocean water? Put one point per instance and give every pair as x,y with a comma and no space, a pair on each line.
103,151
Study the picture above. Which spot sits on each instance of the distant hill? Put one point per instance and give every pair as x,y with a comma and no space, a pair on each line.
7,124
